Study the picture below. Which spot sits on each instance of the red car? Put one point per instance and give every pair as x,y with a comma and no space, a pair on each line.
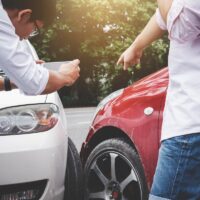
121,149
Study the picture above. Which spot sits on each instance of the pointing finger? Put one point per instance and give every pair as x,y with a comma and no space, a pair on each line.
75,62
126,65
120,61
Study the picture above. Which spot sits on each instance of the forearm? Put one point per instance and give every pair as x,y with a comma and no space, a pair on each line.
1,83
150,33
55,82
133,54
2,87
66,76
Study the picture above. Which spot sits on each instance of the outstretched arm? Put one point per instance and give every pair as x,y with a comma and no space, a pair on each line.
2,86
150,33
66,76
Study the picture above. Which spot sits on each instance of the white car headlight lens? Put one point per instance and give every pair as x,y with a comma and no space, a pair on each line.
107,99
6,123
28,119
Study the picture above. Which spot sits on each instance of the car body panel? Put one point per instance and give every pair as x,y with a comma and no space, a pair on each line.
126,113
35,156
52,98
16,98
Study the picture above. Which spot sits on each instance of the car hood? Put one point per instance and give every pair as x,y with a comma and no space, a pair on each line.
16,98
150,85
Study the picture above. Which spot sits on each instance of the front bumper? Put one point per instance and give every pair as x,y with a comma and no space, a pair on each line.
35,157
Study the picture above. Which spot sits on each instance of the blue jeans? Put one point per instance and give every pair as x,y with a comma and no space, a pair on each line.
177,175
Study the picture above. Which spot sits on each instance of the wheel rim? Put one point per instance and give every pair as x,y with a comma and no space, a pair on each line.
111,176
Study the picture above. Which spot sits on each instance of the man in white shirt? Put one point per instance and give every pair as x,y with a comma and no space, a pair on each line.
19,19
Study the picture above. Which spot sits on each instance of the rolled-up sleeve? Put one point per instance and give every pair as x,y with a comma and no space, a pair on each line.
183,20
18,64
161,23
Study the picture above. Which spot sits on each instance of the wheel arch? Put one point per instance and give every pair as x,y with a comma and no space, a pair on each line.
103,134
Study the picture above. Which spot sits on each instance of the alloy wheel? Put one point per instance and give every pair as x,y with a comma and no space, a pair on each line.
112,176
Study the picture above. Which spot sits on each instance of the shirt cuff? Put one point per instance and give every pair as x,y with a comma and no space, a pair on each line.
173,24
44,81
161,23
41,84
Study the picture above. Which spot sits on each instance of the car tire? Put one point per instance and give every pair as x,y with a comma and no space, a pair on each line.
74,174
126,180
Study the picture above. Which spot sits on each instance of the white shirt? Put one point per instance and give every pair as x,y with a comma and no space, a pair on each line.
182,108
16,62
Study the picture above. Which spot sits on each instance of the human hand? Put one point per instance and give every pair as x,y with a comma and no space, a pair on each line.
70,72
130,57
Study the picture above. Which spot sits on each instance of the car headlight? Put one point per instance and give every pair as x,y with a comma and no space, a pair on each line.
107,99
28,119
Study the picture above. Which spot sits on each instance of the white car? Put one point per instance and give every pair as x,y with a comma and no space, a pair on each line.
37,159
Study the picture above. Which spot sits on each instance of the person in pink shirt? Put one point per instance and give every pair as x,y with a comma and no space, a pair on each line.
177,174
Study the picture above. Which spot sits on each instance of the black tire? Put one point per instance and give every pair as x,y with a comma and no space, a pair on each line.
127,183
74,174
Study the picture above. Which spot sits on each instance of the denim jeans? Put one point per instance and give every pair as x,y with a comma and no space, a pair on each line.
177,175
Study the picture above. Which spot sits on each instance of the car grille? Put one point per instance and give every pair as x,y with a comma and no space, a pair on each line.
23,191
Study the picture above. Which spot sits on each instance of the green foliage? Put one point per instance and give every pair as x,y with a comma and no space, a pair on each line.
97,32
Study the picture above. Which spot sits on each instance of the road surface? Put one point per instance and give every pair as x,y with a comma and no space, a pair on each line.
78,121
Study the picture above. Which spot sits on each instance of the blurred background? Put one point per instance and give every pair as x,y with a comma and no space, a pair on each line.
97,32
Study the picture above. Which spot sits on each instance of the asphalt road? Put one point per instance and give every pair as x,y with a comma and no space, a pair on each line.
78,121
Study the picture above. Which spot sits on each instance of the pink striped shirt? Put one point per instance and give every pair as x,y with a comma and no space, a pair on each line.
182,108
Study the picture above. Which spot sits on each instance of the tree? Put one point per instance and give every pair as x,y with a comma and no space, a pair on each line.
97,32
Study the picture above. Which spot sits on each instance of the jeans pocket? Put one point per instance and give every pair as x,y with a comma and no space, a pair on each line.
173,158
176,142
